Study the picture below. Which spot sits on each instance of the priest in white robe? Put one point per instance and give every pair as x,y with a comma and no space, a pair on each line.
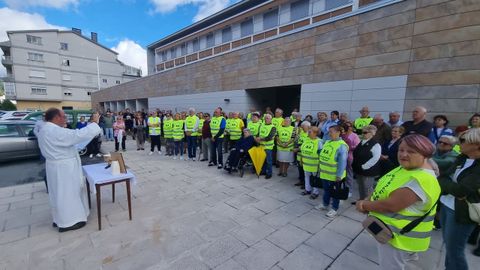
67,188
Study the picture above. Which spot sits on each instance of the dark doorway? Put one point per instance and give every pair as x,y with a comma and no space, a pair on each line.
67,108
285,97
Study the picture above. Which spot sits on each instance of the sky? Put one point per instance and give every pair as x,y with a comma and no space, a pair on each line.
125,26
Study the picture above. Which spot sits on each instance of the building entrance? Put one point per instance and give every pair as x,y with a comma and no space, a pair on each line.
285,97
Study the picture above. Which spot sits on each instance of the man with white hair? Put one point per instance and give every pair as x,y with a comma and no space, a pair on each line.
384,132
418,124
191,127
363,121
394,119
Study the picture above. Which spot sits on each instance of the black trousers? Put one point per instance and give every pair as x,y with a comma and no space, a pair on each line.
117,143
155,140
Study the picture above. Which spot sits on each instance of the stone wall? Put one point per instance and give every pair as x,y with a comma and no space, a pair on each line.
434,42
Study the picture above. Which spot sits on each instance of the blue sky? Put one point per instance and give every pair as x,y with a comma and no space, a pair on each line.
126,26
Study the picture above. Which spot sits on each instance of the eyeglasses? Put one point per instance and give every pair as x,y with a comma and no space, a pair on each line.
444,143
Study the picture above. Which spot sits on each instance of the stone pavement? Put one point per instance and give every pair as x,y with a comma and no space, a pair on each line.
190,216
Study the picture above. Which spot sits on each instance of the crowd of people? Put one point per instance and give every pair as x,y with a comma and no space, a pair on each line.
415,170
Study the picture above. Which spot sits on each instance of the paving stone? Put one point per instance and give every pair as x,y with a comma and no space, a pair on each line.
328,242
297,207
15,198
252,232
365,245
230,265
268,204
221,250
262,255
288,237
218,228
13,235
345,226
240,201
351,261
173,246
305,258
278,218
312,222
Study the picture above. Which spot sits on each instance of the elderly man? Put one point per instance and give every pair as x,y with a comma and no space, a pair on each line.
419,124
67,194
329,123
363,121
444,155
191,127
217,128
394,119
384,132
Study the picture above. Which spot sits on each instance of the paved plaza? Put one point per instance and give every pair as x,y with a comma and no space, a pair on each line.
190,216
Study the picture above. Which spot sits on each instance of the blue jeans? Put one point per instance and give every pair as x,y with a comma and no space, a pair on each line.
327,197
192,146
455,236
267,166
179,148
217,153
109,134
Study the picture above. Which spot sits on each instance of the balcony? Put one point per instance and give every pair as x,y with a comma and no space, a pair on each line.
10,92
7,60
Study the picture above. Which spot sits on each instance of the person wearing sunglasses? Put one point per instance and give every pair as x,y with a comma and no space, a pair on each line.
460,184
444,155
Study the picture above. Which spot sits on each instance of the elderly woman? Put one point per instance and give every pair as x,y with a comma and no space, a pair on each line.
352,140
310,151
285,139
444,155
178,136
439,129
139,125
366,159
300,135
461,184
389,159
406,193
119,133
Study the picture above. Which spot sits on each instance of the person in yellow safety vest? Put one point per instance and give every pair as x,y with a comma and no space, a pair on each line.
266,138
191,128
333,168
235,129
310,149
168,134
198,134
268,110
254,124
277,121
178,135
249,115
226,141
301,134
154,131
217,127
406,193
363,121
285,138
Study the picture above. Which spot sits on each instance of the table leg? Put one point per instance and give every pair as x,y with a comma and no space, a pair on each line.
99,211
88,193
113,192
129,199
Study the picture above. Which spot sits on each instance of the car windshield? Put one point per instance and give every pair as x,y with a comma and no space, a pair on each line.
8,131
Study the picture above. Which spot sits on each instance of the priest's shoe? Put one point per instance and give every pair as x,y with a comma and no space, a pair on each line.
74,227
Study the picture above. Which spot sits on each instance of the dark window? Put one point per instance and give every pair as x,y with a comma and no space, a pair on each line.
66,62
336,3
104,80
164,56
63,46
210,40
246,28
117,82
89,93
196,45
299,9
173,52
270,19
226,34
184,49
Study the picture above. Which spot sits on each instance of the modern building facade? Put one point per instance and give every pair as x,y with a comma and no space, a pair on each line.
53,68
317,55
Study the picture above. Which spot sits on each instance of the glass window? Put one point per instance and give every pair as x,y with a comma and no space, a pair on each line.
246,28
66,77
117,82
270,19
299,9
164,56
183,49
66,62
336,3
104,80
173,53
196,45
226,34
35,57
28,130
210,40
37,73
7,130
34,40
39,90
63,46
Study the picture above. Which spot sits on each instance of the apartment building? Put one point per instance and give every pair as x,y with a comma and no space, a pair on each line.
56,68
316,55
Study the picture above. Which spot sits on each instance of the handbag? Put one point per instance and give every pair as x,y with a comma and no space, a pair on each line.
315,181
474,211
339,190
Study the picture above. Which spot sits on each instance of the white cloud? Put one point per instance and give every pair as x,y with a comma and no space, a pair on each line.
132,54
205,7
59,4
18,20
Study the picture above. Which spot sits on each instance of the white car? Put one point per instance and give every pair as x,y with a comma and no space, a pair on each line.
13,115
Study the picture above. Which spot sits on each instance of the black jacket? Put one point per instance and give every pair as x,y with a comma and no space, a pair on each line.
361,155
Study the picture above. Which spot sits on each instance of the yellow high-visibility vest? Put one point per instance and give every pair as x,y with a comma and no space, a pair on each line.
328,164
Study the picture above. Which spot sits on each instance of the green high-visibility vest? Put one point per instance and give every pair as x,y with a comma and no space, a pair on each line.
328,164
284,136
154,130
361,122
235,129
264,132
277,122
254,128
418,239
301,138
456,149
200,127
215,125
168,128
190,122
310,154
178,131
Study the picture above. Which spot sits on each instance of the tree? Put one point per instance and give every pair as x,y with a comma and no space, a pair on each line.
2,90
7,105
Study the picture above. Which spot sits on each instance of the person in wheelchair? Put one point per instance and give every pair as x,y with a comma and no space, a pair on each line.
239,153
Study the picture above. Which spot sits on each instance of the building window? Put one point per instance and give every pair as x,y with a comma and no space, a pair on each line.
35,57
299,9
196,45
63,46
66,77
104,80
226,34
336,3
89,93
184,49
39,90
210,40
66,62
117,82
173,53
37,73
246,27
67,93
34,40
270,19
164,56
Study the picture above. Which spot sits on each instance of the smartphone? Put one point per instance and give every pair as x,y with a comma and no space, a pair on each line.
375,228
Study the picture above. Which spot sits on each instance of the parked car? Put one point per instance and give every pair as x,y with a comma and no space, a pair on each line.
73,116
17,140
13,115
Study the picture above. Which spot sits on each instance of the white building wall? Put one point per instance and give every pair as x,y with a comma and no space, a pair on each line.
382,95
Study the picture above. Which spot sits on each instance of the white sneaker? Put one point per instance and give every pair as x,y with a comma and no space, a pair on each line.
175,158
181,157
151,153
321,207
159,152
91,155
332,213
99,155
